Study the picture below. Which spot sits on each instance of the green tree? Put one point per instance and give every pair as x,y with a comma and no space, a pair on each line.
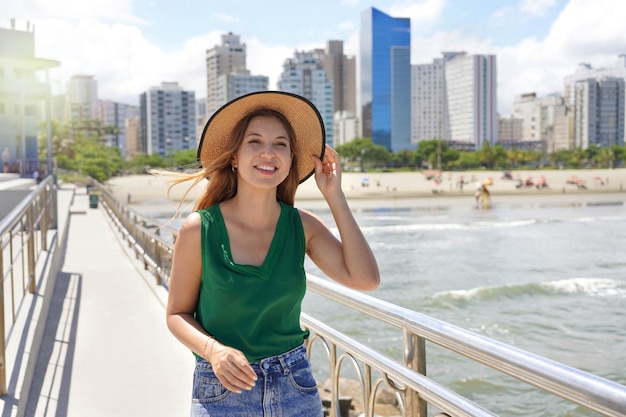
402,159
139,163
578,158
466,160
182,159
433,152
80,148
619,153
606,157
97,161
487,155
363,151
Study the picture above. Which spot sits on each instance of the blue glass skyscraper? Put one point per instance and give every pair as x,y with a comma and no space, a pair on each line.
385,70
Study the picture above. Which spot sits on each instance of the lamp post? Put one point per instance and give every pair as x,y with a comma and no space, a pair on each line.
48,128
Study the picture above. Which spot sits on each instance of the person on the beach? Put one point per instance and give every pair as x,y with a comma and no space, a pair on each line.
482,194
238,278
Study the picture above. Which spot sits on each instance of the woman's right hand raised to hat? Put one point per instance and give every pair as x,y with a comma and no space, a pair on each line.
328,173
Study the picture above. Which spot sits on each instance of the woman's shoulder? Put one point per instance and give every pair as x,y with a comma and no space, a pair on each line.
307,215
310,221
192,221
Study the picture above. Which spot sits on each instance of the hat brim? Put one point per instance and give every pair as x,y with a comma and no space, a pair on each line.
303,116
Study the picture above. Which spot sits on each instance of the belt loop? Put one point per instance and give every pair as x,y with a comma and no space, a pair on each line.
281,359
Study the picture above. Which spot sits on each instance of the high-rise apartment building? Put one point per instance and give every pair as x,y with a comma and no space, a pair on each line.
81,100
538,115
586,71
114,114
592,94
427,101
563,129
221,60
22,97
346,127
168,119
238,83
385,79
470,99
341,71
599,112
528,108
303,74
510,130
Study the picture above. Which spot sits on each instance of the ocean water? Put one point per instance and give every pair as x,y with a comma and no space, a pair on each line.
545,275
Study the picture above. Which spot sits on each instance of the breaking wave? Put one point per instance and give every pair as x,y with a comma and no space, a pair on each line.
593,287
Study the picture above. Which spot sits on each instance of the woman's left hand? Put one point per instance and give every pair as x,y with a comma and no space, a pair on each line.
328,172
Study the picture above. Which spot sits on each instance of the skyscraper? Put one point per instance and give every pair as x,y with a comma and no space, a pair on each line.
585,71
81,99
168,119
470,99
114,114
597,95
427,81
304,75
599,112
341,71
385,79
221,60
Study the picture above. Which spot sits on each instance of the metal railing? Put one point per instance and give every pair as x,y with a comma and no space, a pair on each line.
407,379
143,235
23,241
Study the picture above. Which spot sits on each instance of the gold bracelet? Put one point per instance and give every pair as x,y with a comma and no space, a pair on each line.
205,344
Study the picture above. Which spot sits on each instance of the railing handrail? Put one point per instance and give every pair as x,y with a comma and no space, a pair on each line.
588,390
436,394
23,240
14,215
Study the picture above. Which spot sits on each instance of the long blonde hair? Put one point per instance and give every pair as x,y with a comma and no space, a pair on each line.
222,184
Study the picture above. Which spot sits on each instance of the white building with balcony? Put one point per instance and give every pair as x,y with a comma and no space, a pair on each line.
168,119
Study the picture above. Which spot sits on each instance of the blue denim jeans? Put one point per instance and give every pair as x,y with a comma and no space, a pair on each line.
285,388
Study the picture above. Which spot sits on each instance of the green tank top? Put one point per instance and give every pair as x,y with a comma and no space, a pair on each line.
255,309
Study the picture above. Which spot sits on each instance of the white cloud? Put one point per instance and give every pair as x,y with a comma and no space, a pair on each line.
115,10
122,60
226,18
421,13
263,59
536,7
540,65
346,26
126,63
427,49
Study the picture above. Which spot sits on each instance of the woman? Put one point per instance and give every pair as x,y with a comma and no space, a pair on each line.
238,278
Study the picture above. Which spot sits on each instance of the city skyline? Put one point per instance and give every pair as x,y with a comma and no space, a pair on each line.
130,46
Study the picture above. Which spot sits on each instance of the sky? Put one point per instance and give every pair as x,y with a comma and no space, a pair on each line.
130,46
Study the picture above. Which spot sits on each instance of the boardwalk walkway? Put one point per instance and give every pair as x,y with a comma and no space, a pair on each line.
107,350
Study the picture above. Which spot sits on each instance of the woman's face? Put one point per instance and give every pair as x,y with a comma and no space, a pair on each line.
265,155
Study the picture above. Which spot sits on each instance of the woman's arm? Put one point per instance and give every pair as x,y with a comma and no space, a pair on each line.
230,365
349,261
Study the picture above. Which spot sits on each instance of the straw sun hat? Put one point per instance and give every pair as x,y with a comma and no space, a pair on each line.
304,118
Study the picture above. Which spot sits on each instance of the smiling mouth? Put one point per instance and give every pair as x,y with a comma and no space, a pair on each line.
266,168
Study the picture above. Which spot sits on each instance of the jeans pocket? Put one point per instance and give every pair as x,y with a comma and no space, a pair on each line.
206,386
301,376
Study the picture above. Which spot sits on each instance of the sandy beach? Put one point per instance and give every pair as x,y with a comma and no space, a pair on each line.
149,193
